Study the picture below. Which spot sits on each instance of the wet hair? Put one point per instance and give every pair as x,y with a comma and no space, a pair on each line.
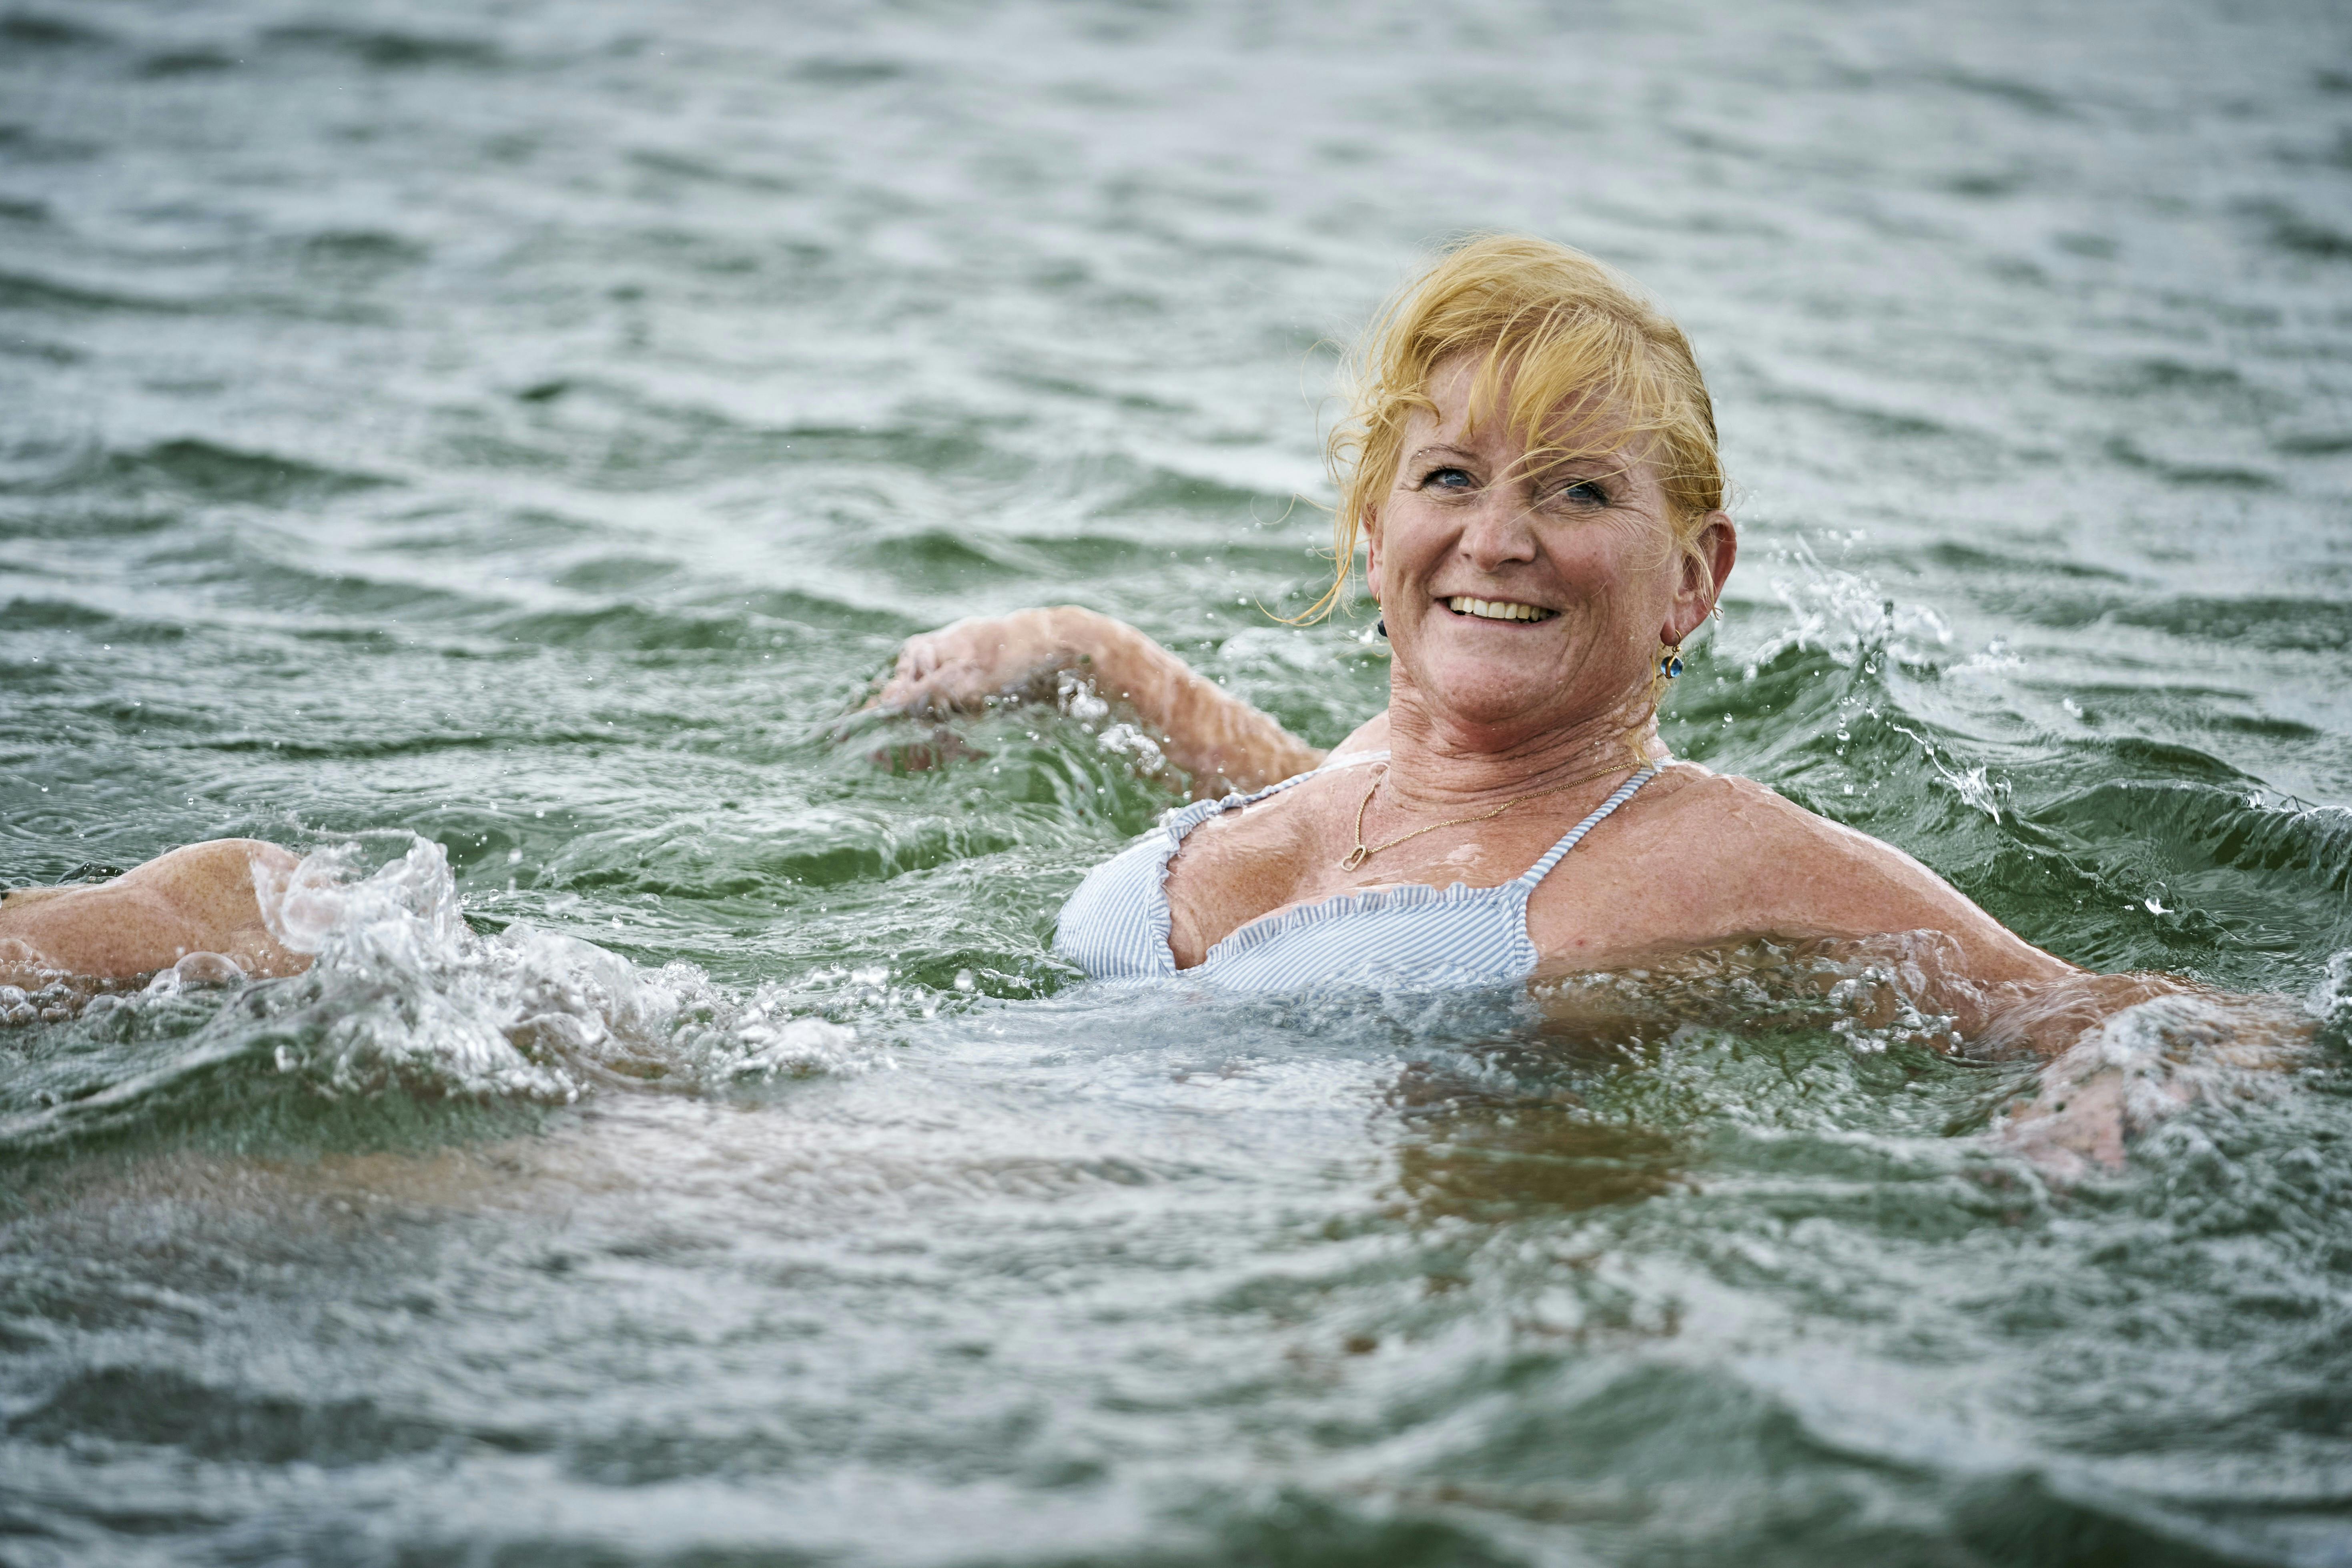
1571,353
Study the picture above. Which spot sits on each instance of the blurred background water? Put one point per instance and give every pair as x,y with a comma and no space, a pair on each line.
505,439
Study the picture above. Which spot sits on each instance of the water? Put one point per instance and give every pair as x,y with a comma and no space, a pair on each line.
505,440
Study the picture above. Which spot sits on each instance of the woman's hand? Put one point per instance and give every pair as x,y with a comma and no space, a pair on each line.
2143,1065
959,667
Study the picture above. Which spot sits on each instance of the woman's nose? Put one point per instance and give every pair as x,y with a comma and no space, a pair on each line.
1498,531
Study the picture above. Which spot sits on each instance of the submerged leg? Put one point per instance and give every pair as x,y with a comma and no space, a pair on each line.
197,899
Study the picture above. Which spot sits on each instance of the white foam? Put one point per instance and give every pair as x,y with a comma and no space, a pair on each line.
403,991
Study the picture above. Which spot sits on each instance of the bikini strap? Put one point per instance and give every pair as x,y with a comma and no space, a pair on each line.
1623,793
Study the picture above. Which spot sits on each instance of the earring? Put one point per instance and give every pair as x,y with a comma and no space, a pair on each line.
1670,662
1382,626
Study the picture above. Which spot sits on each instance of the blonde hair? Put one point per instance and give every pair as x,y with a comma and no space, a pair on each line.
1582,363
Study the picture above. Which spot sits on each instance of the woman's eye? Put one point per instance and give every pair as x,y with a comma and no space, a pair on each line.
1448,479
1583,492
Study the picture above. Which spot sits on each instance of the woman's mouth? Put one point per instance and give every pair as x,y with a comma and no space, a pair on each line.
1497,609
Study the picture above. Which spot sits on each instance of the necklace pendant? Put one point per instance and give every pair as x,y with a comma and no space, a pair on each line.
1356,858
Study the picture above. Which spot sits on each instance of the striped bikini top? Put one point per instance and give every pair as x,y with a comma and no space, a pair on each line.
1410,936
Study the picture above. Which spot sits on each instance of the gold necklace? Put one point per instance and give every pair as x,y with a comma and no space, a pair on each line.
1363,851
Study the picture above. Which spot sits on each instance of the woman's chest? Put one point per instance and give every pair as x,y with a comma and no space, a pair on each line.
1233,871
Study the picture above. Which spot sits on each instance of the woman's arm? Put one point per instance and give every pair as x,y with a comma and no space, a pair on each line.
2123,1051
200,898
1223,743
2119,1054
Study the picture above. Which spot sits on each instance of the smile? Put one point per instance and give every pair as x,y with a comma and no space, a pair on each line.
1497,609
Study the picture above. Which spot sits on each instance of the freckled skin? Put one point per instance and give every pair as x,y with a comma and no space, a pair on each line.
1696,859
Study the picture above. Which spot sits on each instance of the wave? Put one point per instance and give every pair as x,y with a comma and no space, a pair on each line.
34,30
388,48
169,63
2278,623
159,1406
59,615
741,627
24,291
2309,849
1167,490
2225,476
2304,236
185,467
360,251
941,562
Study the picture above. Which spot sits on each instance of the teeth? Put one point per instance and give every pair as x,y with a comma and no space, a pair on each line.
1495,609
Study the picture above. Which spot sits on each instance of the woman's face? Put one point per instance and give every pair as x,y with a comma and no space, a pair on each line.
1518,599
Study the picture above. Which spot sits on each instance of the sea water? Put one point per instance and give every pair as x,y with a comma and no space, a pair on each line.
488,449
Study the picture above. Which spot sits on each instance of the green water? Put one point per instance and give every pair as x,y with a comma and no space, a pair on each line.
507,439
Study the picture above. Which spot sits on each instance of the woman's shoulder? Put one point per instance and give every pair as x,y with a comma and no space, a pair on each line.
1735,857
1738,808
1755,836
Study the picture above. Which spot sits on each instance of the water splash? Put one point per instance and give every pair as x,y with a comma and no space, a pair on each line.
408,991
1850,618
2330,1001
402,996
1077,698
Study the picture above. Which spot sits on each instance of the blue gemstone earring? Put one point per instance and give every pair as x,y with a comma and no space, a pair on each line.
1670,663
1382,626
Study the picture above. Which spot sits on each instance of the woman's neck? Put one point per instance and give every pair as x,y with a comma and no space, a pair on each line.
1440,763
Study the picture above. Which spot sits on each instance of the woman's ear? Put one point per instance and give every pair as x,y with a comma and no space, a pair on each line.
1705,565
1373,553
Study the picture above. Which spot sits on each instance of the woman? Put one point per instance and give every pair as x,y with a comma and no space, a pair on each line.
1531,462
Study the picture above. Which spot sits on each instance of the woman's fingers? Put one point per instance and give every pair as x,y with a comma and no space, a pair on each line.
921,655
911,677
934,686
2074,1126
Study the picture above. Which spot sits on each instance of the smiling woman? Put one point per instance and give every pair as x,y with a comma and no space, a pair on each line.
1530,464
